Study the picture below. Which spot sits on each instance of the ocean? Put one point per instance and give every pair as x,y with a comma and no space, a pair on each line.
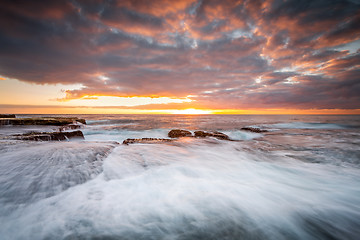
298,180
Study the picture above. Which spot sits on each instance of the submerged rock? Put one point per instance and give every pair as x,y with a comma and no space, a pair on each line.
49,136
252,129
146,140
176,133
7,116
218,135
41,121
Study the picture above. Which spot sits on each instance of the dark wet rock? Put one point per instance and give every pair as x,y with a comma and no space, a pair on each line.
41,121
7,116
176,133
201,134
80,120
255,130
49,136
218,135
146,140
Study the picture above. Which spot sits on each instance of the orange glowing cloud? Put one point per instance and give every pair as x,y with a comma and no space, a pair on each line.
175,55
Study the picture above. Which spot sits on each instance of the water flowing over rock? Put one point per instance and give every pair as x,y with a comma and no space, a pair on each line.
70,127
47,169
49,136
146,140
196,187
176,133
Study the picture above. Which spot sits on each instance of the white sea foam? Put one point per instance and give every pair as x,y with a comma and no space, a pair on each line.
32,171
100,134
242,135
286,184
197,189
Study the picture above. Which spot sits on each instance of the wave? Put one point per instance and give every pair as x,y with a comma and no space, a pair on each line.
242,135
33,171
196,190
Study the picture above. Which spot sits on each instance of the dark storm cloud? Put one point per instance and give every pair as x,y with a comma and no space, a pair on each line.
119,15
215,25
310,11
225,54
323,56
276,77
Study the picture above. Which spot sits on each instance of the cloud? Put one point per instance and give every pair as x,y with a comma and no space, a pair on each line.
225,54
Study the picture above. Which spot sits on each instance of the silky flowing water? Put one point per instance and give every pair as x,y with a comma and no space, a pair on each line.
299,180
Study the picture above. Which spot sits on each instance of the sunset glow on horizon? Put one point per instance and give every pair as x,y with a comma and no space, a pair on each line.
191,111
180,57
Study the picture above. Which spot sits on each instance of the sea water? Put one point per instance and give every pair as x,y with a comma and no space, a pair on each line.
299,180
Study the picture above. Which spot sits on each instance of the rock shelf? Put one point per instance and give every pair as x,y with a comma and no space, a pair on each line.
41,121
49,136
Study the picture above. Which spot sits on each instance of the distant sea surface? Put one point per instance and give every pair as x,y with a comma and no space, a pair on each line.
299,180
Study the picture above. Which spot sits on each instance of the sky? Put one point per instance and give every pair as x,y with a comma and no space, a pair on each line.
168,56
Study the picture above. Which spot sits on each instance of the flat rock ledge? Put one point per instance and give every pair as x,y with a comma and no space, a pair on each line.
7,116
41,121
49,136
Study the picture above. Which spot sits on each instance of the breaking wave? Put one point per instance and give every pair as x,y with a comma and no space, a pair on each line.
204,189
299,180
